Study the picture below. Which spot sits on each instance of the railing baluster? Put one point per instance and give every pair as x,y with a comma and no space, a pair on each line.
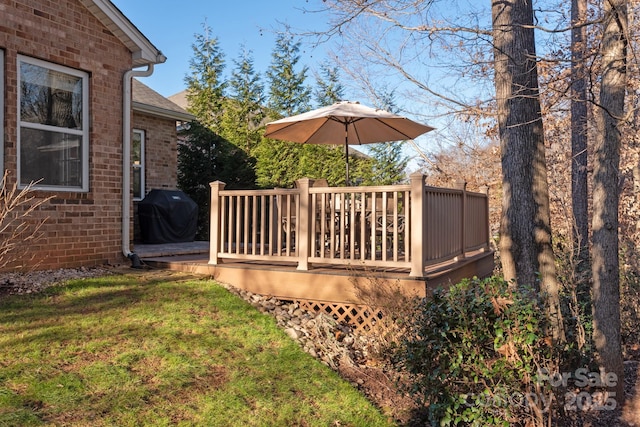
254,224
373,224
406,226
272,221
363,219
344,225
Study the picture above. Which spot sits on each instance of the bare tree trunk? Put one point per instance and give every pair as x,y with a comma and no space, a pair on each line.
605,264
525,231
579,195
579,187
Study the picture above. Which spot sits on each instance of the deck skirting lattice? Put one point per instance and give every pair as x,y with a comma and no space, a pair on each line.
360,317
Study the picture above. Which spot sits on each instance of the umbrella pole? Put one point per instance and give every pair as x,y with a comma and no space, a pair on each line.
346,149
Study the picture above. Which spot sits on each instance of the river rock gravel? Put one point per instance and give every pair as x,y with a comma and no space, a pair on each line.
36,281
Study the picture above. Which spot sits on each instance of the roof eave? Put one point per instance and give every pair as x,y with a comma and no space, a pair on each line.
143,52
161,112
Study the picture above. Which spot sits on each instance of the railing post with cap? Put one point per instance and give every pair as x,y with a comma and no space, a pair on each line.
462,186
214,221
484,189
418,236
303,221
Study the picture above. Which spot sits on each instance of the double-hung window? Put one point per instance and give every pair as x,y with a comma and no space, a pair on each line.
137,164
53,131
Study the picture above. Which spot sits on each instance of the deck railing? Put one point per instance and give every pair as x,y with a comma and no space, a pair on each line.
399,226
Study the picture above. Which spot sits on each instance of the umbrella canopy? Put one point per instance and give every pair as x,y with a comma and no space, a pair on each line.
345,122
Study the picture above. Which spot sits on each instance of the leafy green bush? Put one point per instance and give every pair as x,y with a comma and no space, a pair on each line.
473,356
204,157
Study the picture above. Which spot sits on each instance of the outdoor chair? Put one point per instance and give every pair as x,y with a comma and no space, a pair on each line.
321,182
286,205
381,223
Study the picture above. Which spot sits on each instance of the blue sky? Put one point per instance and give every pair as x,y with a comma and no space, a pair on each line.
171,27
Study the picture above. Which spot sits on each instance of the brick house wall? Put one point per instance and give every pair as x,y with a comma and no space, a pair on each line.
161,157
81,228
161,151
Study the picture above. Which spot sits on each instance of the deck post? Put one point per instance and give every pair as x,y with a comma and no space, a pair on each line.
214,221
462,186
303,222
418,237
484,189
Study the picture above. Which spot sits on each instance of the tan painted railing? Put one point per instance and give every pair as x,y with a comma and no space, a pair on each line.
402,226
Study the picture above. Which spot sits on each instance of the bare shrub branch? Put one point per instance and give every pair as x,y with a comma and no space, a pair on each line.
18,227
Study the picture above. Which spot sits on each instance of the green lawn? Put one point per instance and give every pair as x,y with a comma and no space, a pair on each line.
159,349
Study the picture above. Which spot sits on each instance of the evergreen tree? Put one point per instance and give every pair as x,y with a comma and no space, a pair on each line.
288,94
388,161
206,85
205,157
243,111
328,90
279,162
324,161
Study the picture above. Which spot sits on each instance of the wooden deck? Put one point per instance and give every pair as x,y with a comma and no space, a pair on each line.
331,244
321,282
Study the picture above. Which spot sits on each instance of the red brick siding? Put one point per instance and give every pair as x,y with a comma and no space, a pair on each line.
161,151
82,229
161,156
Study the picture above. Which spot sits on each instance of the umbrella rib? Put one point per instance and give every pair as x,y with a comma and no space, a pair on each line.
287,126
348,120
388,131
270,134
395,129
354,120
297,129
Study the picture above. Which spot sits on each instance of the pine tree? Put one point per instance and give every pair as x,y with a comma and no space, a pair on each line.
328,89
288,94
279,162
206,85
243,111
205,157
388,163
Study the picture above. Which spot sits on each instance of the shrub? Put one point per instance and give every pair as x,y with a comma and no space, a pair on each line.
204,157
18,227
394,310
473,354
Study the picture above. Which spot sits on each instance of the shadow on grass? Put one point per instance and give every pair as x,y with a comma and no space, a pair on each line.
57,312
151,350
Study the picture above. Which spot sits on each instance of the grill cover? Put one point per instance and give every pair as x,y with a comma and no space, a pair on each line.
167,216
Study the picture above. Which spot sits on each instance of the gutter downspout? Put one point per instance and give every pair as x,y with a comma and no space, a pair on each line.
126,158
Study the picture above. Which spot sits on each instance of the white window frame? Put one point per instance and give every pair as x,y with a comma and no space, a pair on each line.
141,166
83,133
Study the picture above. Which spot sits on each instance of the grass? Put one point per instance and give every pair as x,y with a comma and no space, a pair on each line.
158,349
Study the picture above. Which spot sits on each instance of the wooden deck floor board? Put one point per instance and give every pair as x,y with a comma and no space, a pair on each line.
322,282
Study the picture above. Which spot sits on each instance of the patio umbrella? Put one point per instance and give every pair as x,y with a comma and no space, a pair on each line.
345,122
